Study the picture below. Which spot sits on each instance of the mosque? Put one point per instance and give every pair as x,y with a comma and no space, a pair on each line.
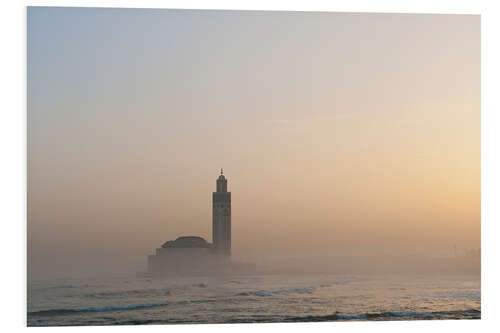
193,255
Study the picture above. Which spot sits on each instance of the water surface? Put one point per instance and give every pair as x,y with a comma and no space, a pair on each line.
263,298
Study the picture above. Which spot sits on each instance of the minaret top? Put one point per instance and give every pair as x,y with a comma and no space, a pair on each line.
221,182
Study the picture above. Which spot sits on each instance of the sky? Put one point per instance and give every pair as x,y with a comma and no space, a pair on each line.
339,133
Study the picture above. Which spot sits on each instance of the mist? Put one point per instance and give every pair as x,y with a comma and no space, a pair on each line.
351,142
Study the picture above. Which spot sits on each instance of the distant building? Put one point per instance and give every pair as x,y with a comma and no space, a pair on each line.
221,219
189,255
193,255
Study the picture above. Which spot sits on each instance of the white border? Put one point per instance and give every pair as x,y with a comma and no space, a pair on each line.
13,156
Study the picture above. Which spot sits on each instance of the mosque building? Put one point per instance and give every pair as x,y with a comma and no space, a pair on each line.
193,255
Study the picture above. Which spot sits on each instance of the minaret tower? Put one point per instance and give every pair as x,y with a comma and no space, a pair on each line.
221,222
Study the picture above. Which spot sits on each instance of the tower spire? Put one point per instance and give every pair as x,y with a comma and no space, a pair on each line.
221,223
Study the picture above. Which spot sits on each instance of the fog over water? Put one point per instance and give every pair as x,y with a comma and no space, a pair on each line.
341,135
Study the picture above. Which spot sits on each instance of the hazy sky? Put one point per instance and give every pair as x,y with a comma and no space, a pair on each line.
339,133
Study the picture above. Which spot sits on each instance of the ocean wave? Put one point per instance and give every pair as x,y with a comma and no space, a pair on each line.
55,312
454,295
260,293
63,286
66,286
348,317
329,284
263,293
306,290
133,292
465,314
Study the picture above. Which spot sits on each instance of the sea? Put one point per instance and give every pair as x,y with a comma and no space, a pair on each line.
127,300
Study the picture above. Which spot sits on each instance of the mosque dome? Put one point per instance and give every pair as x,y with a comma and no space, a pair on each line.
187,241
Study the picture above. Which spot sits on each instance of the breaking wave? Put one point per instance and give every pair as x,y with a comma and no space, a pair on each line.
466,314
55,312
